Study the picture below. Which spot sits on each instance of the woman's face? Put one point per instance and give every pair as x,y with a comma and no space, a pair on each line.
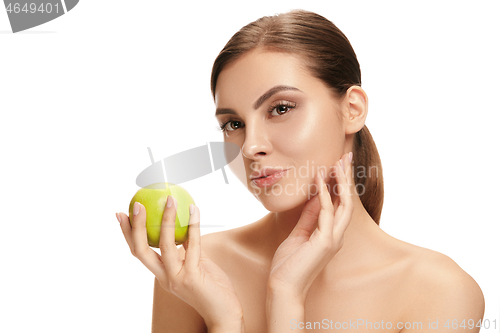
281,117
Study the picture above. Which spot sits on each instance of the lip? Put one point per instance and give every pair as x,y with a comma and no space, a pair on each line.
270,179
265,172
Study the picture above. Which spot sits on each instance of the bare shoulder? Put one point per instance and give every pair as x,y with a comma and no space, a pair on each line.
440,275
228,246
439,289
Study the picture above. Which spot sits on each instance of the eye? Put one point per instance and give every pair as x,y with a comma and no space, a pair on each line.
225,128
281,107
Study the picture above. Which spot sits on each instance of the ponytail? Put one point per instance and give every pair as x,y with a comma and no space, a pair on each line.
368,177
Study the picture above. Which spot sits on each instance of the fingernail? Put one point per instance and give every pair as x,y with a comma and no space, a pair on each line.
169,201
322,173
137,208
191,209
118,217
350,157
342,164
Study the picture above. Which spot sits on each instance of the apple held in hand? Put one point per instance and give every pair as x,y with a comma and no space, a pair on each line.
154,199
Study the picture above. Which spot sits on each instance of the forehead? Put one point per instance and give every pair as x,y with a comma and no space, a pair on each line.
248,77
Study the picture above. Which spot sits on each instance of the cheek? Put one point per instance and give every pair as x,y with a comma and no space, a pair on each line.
310,136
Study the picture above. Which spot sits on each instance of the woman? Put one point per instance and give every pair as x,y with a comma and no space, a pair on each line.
287,90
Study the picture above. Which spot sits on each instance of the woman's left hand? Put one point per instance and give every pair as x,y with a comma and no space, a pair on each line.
303,255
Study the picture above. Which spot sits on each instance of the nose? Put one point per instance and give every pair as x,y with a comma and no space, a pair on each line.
256,144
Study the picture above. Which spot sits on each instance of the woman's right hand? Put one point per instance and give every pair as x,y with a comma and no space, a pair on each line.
196,279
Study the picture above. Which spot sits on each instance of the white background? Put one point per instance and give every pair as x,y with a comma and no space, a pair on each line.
83,96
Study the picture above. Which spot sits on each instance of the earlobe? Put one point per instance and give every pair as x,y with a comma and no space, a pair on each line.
357,105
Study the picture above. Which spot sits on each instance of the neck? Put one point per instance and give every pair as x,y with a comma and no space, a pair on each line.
361,227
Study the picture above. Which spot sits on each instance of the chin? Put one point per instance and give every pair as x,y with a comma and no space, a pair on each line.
276,202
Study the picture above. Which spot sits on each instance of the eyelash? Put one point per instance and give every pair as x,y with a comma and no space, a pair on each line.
274,106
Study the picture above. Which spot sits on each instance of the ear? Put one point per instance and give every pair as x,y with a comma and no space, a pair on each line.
356,106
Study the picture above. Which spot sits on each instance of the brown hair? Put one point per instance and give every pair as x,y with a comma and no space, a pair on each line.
329,57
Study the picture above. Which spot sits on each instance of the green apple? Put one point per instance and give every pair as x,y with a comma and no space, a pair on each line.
154,199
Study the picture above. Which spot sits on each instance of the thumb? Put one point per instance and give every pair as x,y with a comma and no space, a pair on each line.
138,223
308,219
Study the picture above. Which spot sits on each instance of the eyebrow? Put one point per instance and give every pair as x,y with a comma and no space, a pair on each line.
260,100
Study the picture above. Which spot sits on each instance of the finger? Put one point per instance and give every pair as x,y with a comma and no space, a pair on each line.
344,211
126,228
332,190
325,218
138,241
308,218
139,233
167,245
347,172
348,179
350,170
193,249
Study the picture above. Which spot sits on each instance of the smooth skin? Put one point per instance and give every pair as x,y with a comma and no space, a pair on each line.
311,259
